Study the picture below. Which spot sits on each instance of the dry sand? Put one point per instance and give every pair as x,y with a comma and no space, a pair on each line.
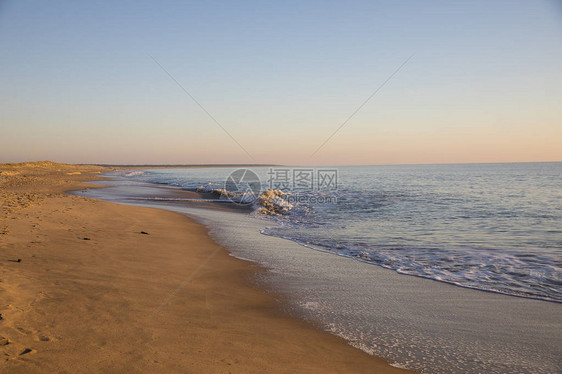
88,293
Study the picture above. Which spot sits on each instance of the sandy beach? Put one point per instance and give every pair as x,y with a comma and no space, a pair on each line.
92,286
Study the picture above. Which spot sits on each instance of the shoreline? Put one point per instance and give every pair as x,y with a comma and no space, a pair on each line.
88,291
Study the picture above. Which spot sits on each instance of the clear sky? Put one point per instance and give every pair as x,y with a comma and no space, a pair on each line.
77,83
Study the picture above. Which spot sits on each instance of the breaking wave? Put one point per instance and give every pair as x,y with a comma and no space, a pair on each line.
134,173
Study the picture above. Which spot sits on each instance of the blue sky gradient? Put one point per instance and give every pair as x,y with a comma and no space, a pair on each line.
77,83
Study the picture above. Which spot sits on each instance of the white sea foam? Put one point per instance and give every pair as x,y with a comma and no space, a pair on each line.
134,173
272,202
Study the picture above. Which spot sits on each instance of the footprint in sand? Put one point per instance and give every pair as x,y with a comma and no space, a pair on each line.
23,331
27,351
43,338
37,335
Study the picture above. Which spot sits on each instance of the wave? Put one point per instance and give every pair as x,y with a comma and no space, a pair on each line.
134,173
272,202
268,202
224,195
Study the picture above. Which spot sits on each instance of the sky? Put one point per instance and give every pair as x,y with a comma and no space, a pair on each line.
80,82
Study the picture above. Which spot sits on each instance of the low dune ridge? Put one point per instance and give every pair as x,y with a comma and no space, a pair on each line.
43,165
93,286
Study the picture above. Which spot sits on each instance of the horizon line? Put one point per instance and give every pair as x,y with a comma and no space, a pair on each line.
305,165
